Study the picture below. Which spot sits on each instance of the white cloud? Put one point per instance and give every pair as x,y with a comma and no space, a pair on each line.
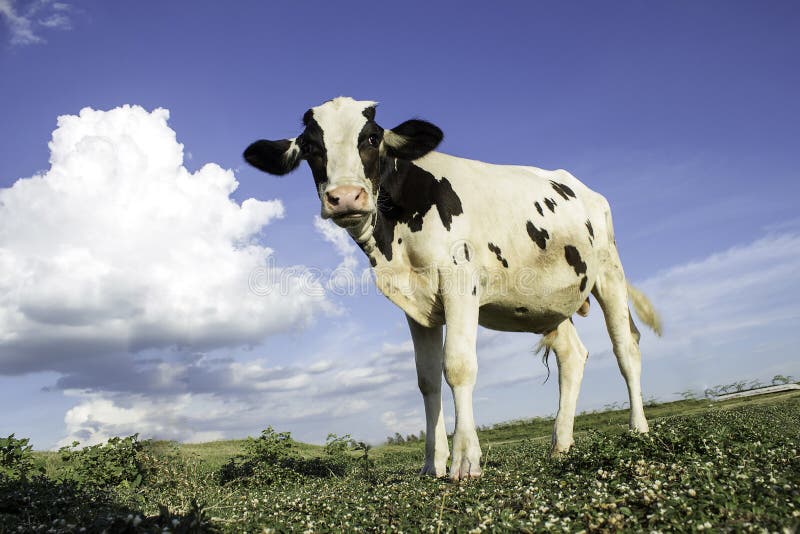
56,20
25,23
21,27
344,275
337,236
199,416
98,418
118,248
405,423
732,314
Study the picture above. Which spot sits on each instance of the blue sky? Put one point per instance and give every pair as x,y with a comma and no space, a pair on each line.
684,114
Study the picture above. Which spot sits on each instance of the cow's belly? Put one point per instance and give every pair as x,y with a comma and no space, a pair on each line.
519,318
538,313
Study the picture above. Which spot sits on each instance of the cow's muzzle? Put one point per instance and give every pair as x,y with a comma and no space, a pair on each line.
346,203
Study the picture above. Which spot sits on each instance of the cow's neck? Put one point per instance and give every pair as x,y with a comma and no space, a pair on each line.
366,234
394,276
365,238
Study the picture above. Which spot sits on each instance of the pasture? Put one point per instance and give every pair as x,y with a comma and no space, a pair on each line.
730,465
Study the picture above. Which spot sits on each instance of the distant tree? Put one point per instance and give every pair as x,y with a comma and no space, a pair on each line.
754,384
715,391
778,380
688,394
741,385
651,401
398,438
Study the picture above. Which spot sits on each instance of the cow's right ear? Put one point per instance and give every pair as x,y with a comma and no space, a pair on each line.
274,157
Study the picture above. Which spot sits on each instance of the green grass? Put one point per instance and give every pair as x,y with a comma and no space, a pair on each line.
732,465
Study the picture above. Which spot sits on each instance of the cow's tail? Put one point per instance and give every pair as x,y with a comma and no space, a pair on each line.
544,347
644,309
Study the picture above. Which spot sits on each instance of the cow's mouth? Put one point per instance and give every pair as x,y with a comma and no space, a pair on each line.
350,218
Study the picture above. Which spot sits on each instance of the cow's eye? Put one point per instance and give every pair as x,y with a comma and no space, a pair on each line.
373,140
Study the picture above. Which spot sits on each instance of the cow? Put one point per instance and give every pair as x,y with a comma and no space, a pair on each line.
463,243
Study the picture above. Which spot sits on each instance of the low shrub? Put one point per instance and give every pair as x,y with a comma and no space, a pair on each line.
16,458
104,465
270,459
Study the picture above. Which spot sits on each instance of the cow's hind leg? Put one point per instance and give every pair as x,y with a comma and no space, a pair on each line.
611,292
571,357
429,357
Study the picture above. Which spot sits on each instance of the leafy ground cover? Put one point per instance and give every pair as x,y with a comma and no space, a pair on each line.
704,466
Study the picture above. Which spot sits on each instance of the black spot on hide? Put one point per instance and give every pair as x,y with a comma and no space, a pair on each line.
538,236
406,195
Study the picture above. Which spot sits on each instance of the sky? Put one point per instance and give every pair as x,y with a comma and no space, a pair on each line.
152,282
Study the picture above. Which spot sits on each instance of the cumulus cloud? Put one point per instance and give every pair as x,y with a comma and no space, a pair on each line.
118,249
338,237
193,395
97,418
344,279
203,401
25,22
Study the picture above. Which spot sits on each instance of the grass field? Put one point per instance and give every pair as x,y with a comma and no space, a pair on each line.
720,466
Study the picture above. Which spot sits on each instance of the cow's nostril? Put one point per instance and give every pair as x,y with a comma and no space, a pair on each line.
359,194
334,200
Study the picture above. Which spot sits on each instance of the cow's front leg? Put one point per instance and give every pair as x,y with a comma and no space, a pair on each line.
428,356
460,370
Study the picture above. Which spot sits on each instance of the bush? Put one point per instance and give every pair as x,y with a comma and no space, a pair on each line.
105,465
16,458
262,460
268,459
270,446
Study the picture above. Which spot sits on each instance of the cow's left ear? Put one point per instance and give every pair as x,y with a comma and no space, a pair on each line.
274,157
412,139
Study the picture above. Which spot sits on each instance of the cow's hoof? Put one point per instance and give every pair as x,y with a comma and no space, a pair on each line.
432,470
465,470
640,426
466,459
558,450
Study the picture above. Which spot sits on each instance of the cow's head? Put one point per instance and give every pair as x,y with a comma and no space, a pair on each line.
347,152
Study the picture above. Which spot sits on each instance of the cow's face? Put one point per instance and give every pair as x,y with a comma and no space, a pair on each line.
347,152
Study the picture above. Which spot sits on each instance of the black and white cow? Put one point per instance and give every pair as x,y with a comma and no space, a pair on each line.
460,242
